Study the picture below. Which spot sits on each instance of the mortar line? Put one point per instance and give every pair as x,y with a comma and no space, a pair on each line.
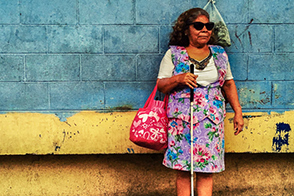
24,68
78,12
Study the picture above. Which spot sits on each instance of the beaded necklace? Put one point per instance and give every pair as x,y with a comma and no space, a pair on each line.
202,64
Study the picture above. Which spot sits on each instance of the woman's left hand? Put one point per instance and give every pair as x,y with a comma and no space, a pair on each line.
232,97
238,124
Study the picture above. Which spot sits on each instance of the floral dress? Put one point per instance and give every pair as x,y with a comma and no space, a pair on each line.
208,115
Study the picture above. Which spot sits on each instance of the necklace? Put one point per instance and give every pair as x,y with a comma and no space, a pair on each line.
202,64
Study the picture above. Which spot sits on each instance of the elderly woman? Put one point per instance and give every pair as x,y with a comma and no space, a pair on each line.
212,75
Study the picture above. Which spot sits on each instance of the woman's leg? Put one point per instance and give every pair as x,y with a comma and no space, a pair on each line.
204,183
183,183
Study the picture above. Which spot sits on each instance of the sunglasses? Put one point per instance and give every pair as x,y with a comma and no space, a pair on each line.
199,25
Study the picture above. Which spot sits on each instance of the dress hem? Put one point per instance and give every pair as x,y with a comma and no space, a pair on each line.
183,169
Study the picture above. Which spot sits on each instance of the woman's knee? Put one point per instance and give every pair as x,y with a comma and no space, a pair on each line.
183,175
204,175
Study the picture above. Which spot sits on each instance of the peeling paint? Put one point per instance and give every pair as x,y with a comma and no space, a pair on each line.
123,108
265,101
251,116
63,115
130,150
262,133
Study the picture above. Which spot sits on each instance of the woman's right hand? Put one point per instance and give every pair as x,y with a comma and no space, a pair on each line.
165,85
188,79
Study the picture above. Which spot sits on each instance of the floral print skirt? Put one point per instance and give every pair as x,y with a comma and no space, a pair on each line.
208,146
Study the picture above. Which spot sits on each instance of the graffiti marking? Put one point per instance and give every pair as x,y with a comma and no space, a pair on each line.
281,138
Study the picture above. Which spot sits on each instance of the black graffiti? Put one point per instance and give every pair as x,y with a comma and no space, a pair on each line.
281,138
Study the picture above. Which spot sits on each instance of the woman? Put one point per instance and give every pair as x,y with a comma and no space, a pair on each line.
189,45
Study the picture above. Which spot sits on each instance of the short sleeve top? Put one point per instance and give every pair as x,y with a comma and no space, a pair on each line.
205,77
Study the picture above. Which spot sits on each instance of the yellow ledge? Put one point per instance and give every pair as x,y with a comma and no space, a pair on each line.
108,133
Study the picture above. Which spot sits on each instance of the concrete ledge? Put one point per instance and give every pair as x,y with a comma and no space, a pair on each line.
108,133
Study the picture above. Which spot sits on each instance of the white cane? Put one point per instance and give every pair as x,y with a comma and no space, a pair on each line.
191,132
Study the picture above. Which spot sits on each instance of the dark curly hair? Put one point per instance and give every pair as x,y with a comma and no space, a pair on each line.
178,37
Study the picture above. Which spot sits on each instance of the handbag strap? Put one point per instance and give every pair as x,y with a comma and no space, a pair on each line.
151,97
165,101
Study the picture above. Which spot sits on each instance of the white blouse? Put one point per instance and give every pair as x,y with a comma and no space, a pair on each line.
205,77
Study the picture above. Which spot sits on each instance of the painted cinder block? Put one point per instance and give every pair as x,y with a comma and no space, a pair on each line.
164,34
285,66
76,95
239,38
131,39
260,66
271,67
106,12
75,39
283,94
23,96
271,11
19,39
40,65
108,67
9,12
159,12
52,68
251,38
239,65
148,67
260,39
233,12
48,12
254,95
127,95
284,38
11,68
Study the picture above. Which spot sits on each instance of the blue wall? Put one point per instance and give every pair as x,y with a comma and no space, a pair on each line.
65,56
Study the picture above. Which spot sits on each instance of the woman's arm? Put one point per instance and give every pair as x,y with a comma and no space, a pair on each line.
167,80
165,85
232,96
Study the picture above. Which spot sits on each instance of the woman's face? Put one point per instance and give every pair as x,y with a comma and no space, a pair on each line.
199,38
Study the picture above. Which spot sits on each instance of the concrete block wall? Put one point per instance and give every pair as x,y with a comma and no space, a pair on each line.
75,55
100,55
69,69
63,58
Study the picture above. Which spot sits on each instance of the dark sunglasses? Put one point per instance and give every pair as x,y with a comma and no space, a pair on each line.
199,25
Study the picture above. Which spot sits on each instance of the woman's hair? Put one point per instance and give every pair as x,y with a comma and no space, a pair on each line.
178,36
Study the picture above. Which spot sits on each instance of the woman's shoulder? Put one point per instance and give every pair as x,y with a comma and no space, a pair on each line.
167,53
217,49
174,47
215,46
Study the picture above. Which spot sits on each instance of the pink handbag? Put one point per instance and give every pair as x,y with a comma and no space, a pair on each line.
149,127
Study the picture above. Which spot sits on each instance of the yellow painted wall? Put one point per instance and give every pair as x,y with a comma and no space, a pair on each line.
106,133
259,133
